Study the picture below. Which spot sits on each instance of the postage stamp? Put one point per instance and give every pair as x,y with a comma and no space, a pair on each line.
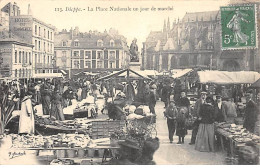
239,27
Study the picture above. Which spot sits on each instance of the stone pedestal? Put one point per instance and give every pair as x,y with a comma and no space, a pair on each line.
135,66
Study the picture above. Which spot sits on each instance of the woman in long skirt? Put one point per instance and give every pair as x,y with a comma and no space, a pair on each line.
205,137
26,121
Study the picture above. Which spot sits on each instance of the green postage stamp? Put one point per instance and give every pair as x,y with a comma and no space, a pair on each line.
239,27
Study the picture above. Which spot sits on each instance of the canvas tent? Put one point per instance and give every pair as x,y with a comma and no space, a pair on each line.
177,73
225,77
128,73
256,84
48,75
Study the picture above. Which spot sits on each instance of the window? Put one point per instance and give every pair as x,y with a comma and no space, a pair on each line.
100,55
99,64
112,43
99,43
39,45
39,31
48,35
30,58
64,54
44,33
20,57
35,44
64,43
44,49
15,73
26,57
51,35
76,64
35,58
39,59
48,60
111,55
76,53
76,43
15,57
87,64
35,30
111,63
23,58
44,58
87,54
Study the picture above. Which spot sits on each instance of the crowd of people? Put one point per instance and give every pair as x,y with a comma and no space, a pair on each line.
54,95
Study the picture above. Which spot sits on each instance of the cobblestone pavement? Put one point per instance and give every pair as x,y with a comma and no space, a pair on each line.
183,154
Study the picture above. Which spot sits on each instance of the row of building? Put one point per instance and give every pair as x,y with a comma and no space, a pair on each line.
195,42
29,46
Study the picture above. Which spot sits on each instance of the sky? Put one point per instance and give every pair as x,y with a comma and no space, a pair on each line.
131,24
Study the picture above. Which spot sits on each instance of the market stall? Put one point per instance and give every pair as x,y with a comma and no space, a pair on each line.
236,137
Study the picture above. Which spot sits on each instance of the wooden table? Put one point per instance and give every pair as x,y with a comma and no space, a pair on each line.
233,144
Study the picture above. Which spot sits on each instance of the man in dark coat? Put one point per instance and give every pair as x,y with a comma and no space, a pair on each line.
183,100
152,98
219,109
196,123
166,92
250,113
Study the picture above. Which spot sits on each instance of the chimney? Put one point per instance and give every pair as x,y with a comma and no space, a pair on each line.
29,10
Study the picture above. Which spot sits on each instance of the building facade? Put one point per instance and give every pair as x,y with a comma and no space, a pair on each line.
194,42
91,52
15,57
41,35
30,30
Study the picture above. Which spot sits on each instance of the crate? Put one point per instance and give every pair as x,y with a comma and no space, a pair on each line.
61,153
81,153
71,153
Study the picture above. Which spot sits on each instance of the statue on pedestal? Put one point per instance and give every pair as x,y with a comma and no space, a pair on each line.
134,57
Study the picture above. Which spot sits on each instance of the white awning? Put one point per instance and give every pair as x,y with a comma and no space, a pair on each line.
48,75
177,73
225,77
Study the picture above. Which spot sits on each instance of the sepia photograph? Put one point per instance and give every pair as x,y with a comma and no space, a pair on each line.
121,82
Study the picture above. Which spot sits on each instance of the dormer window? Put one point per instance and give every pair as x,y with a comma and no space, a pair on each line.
64,43
76,43
99,43
112,43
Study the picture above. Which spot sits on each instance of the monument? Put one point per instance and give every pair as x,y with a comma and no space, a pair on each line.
134,56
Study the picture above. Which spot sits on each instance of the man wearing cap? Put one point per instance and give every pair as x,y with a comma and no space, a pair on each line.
171,114
197,109
250,113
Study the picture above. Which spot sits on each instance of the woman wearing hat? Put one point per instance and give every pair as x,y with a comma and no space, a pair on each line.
205,137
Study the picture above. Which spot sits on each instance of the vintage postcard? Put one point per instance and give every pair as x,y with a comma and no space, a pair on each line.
143,82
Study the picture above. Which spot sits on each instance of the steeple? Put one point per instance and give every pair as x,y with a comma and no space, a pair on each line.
164,26
168,25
